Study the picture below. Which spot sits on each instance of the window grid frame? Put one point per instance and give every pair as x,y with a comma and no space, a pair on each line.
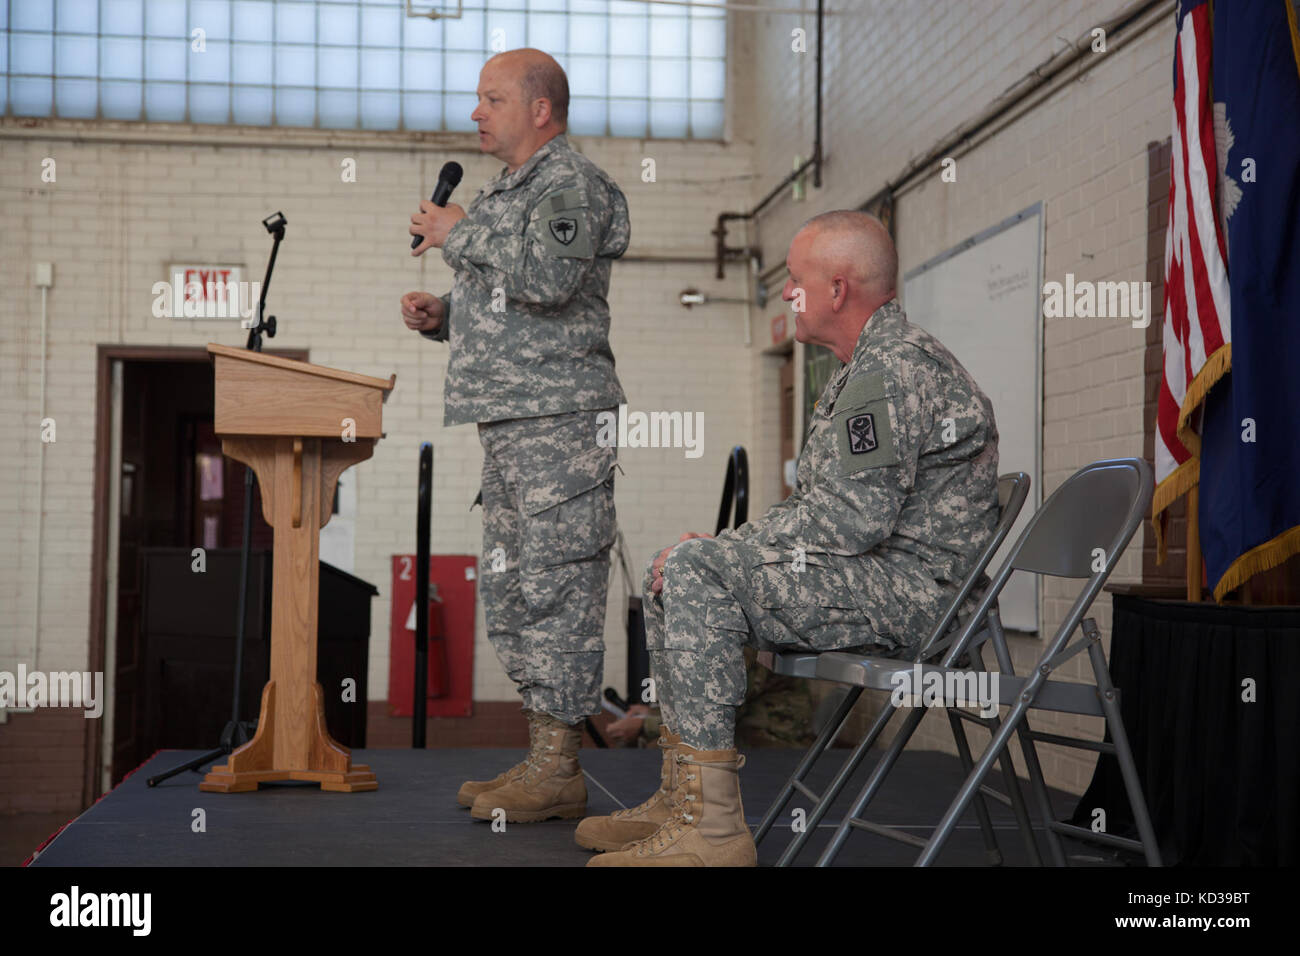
523,7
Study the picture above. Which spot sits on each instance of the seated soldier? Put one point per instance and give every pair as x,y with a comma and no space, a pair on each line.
896,494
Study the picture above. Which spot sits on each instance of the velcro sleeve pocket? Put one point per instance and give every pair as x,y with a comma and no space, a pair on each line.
860,390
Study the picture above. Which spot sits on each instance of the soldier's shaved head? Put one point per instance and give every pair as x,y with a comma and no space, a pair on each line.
843,267
523,103
539,77
855,244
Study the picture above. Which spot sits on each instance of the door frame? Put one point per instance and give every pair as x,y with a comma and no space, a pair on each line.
105,356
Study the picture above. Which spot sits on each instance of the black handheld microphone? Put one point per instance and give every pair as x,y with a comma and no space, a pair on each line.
448,179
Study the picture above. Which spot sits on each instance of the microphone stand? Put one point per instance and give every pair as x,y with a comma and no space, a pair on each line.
238,732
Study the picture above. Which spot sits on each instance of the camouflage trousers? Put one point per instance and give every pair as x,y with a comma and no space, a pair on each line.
721,595
548,523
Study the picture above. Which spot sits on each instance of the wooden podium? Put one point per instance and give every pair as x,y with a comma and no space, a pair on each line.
298,426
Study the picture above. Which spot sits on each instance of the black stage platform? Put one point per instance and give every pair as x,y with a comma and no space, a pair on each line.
413,819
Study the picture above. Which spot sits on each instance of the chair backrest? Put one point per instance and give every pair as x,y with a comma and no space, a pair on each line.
1087,521
1008,486
1080,532
1013,490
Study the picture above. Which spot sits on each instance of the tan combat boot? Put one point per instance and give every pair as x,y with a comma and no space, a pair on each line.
470,789
551,786
622,827
707,823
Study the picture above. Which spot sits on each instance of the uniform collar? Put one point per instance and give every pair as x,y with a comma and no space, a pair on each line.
508,180
884,321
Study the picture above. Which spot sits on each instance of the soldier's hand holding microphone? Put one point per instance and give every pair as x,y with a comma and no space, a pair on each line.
423,311
431,224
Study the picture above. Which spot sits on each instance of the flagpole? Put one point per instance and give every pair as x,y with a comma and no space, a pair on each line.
1193,545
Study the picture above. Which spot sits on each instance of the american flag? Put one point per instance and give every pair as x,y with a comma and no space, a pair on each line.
1197,326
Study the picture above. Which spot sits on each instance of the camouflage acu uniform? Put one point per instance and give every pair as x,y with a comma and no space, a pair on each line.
895,495
528,326
528,321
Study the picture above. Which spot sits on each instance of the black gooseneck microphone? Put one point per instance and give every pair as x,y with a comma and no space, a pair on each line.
448,179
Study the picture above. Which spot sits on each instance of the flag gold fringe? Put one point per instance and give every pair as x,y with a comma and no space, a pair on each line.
1215,367
1257,560
1185,477
1182,480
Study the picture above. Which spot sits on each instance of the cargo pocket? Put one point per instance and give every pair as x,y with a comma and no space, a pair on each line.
726,614
567,657
568,510
815,602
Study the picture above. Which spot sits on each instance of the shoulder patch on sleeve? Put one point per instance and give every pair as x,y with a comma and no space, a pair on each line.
560,223
864,435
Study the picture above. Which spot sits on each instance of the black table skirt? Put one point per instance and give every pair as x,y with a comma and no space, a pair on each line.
1219,772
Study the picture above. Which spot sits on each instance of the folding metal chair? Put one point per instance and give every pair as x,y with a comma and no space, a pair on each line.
1079,533
1013,490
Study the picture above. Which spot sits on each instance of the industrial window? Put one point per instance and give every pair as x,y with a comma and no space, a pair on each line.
635,69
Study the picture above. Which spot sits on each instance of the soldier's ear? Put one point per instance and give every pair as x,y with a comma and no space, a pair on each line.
541,112
839,293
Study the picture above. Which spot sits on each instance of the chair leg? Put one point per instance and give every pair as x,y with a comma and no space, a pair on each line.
981,808
837,785
1012,782
1018,805
998,640
1039,788
877,777
814,753
1119,737
971,786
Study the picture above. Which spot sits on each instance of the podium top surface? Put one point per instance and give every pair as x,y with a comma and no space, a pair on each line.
293,365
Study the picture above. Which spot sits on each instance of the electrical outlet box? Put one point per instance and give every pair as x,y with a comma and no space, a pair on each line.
44,275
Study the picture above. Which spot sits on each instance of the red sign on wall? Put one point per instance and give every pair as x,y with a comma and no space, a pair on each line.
779,329
452,578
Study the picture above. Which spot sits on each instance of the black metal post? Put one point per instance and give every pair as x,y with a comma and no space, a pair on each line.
422,595
237,731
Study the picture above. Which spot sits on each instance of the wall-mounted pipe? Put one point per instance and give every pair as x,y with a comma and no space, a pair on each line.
723,252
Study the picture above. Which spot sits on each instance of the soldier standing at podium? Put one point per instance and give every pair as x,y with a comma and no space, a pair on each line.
528,328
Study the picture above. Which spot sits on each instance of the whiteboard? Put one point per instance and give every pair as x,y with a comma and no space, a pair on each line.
982,300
